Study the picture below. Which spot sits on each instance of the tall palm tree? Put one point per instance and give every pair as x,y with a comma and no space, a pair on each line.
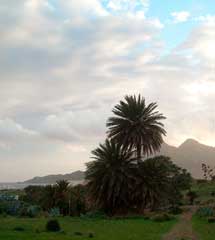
78,200
137,126
62,196
111,177
49,197
62,186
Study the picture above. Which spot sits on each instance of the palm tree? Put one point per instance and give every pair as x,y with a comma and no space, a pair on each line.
78,199
49,197
62,186
62,196
137,126
111,177
153,181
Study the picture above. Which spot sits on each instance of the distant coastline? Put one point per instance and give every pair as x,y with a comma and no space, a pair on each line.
74,178
22,185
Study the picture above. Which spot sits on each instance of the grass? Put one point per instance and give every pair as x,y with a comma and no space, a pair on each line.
76,228
205,230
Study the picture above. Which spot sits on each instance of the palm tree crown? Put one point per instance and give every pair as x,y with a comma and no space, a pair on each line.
137,126
111,176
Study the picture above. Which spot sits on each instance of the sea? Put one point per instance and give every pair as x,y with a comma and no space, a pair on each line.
17,185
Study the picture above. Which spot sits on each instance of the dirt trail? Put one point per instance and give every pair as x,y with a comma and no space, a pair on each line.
183,229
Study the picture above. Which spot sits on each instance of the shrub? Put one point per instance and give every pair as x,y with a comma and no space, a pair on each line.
4,214
213,193
23,211
19,229
192,195
94,214
78,233
201,181
162,217
54,212
33,211
175,210
211,220
90,235
53,226
205,212
9,207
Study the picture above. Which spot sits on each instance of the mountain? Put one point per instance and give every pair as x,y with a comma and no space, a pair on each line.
77,176
190,155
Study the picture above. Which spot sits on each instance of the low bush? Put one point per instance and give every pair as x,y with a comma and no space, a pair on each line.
53,226
37,231
33,211
205,212
29,211
4,215
9,207
211,220
94,214
54,212
213,193
91,235
162,217
19,229
175,210
78,233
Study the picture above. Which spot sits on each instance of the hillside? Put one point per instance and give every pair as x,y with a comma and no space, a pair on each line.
49,179
190,155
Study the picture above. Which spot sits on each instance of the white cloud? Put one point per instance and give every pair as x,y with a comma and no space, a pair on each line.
181,16
209,19
64,66
82,8
201,41
128,6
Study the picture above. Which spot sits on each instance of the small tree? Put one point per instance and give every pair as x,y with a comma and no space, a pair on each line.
192,196
208,172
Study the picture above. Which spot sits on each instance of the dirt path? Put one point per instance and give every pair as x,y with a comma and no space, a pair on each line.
183,229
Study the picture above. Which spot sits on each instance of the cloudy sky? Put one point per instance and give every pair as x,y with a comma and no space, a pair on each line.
64,64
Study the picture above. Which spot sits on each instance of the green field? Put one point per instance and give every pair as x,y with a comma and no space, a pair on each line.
129,229
205,230
206,196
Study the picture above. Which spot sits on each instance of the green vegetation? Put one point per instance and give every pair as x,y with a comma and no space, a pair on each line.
121,178
137,126
53,226
204,219
205,191
205,230
125,178
101,229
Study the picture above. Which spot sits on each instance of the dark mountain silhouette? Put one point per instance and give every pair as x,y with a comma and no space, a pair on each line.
190,155
50,179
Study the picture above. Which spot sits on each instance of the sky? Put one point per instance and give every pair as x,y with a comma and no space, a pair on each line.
64,64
